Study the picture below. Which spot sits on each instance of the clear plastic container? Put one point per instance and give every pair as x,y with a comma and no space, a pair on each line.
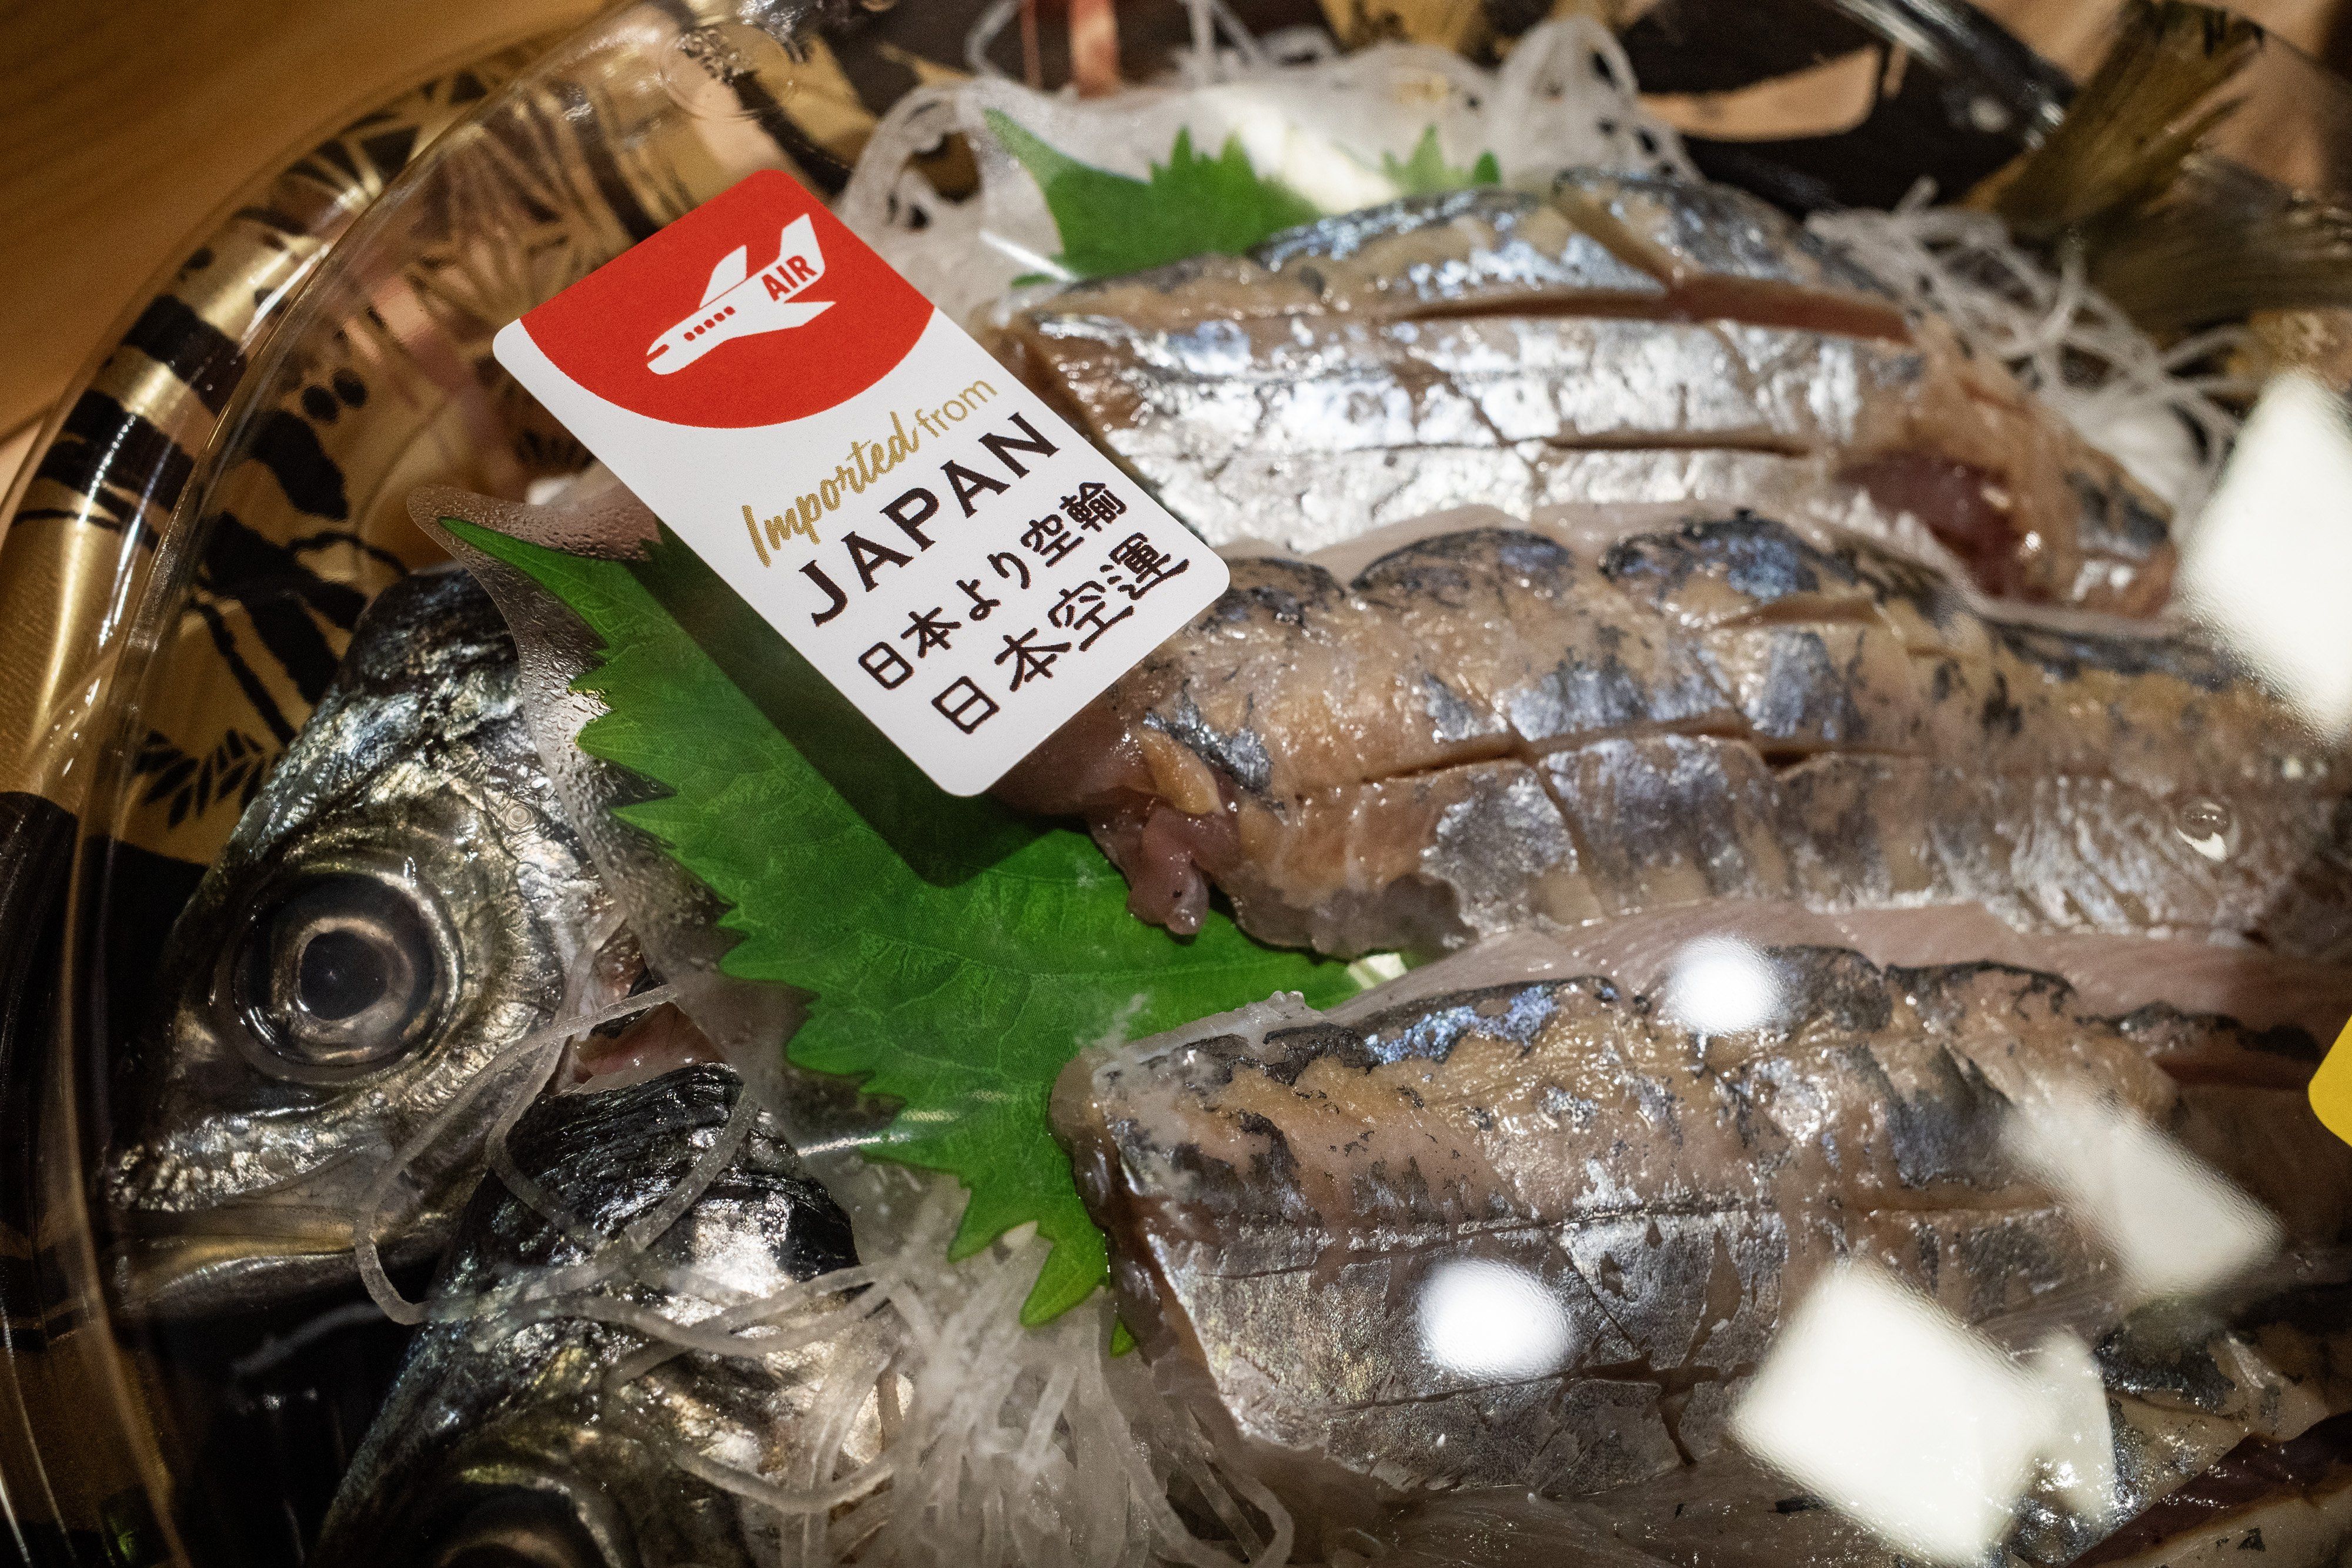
179,676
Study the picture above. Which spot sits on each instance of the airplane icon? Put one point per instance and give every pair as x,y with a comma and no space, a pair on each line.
740,303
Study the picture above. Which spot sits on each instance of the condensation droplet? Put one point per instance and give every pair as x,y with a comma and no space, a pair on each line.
2204,826
1720,984
1492,1321
727,72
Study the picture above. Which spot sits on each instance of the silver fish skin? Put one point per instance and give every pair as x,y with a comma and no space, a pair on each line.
402,903
1491,347
1281,1187
1495,728
501,1441
2294,1498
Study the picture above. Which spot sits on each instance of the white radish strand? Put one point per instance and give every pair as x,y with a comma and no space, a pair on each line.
2066,343
1330,126
1012,1450
540,1050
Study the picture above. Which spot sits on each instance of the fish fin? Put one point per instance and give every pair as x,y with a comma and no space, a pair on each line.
2229,245
732,268
2121,144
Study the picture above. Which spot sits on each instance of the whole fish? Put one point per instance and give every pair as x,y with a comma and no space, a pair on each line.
1284,1190
402,903
518,1437
1497,727
1629,338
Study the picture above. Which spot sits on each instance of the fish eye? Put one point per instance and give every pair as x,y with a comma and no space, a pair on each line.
520,1521
339,976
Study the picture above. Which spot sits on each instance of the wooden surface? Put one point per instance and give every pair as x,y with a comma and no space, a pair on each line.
125,124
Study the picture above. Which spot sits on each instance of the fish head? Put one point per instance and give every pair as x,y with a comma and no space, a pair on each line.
397,909
549,1437
551,1487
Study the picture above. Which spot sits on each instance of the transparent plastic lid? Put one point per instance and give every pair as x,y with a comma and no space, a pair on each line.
1718,954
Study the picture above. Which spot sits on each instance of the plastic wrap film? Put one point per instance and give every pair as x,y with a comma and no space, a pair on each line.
82,525
674,916
89,510
229,544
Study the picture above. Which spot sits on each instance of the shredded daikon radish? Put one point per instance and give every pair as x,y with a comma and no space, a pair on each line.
2154,410
510,1081
1334,129
1002,1447
1013,1446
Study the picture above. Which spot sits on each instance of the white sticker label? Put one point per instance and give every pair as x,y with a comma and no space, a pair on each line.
968,569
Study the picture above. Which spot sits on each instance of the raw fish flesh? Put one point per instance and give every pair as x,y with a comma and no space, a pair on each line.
1285,1191
1497,727
1629,337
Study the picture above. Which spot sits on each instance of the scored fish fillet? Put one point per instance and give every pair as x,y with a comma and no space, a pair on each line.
1498,727
1494,348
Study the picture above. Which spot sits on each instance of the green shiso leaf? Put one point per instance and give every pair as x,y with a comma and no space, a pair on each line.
1192,204
1427,172
958,955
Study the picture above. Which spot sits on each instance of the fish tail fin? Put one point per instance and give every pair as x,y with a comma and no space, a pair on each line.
2121,145
2228,245
2177,239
